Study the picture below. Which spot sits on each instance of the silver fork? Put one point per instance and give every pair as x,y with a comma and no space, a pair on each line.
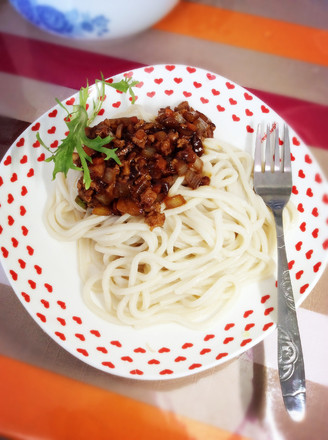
273,182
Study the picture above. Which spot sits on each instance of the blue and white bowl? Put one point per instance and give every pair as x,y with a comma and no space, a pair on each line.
93,19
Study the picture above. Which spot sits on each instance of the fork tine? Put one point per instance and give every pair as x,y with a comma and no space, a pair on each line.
268,151
277,164
258,152
286,151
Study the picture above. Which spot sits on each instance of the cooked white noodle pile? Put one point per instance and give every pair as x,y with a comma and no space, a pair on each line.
184,272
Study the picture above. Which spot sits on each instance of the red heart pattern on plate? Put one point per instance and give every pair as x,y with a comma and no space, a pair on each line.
56,304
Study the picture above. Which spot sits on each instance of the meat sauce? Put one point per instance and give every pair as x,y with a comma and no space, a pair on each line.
152,155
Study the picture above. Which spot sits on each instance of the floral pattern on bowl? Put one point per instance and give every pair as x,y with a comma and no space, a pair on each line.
73,23
99,19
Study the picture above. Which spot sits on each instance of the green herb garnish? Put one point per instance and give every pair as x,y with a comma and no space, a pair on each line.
80,202
125,85
77,121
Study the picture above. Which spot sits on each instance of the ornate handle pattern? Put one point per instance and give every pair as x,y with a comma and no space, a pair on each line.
290,355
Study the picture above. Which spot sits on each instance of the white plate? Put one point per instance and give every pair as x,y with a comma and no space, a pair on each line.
44,274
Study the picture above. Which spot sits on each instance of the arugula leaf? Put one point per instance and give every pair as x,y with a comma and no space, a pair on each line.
125,85
76,139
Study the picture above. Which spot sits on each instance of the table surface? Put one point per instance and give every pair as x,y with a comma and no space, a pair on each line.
278,51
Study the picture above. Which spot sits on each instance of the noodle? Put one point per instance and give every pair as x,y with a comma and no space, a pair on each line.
187,271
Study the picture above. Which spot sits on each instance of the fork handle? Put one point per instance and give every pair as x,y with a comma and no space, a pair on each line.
290,355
